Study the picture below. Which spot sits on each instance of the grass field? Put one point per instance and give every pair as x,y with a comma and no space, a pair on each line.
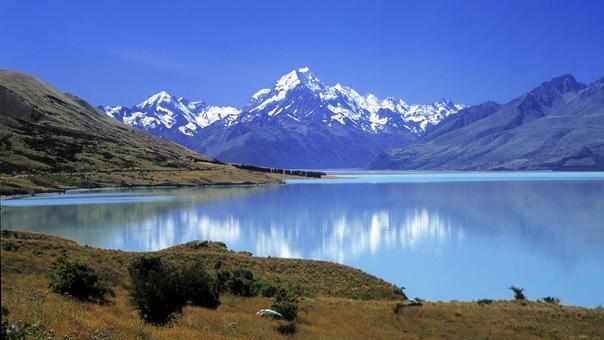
338,301
208,174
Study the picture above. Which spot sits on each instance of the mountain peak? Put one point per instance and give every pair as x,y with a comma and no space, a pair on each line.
300,76
562,84
549,91
161,96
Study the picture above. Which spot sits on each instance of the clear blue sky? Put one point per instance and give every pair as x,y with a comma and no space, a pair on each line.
120,52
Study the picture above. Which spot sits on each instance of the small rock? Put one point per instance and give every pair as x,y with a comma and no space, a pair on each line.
247,253
197,244
269,314
412,302
406,303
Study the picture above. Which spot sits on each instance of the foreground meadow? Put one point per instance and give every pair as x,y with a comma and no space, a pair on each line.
336,301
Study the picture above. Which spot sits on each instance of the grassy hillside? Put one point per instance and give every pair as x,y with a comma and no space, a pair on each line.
54,141
338,301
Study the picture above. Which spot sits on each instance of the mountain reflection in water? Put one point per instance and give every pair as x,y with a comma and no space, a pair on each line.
493,232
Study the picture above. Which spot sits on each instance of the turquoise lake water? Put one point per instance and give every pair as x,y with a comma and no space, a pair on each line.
444,236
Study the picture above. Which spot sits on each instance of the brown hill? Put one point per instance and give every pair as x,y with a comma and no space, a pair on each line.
53,141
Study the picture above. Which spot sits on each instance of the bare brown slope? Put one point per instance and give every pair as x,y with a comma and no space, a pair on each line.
53,141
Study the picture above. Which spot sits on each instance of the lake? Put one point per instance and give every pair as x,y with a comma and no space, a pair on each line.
444,236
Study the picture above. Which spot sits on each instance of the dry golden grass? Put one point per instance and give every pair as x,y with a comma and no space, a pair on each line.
53,141
328,313
208,174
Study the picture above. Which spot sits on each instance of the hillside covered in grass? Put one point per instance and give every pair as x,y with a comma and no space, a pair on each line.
335,301
53,141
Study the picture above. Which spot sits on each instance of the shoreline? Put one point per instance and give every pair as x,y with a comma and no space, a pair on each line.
158,186
332,174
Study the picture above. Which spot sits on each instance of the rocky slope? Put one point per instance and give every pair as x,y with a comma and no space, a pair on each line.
557,126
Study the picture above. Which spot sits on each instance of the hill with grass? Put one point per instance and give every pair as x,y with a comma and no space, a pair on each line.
335,301
54,141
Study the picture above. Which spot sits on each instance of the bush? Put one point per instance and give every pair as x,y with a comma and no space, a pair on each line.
400,291
237,282
241,282
267,289
159,289
71,277
201,290
483,302
287,329
156,290
286,304
518,293
551,299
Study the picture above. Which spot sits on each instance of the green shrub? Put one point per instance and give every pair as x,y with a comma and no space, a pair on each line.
483,302
286,304
266,289
71,277
156,290
552,300
518,293
287,328
201,290
242,282
237,282
400,291
160,289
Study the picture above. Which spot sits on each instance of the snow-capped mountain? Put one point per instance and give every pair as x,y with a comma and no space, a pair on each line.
299,123
164,114
299,95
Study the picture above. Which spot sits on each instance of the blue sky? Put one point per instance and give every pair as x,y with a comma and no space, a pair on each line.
119,52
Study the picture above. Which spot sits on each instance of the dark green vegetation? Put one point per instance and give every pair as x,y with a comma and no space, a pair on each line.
72,277
556,126
551,299
160,289
334,301
286,303
518,293
300,173
237,282
484,302
52,141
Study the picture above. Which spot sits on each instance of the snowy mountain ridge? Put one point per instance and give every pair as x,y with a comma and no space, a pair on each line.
343,105
298,122
164,111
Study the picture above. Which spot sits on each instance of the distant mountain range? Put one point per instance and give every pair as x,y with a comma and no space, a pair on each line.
302,123
298,123
557,126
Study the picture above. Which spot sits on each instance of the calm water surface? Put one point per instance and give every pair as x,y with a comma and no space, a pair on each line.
444,236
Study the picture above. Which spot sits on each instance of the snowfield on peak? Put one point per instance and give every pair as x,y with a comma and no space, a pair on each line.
163,111
345,105
336,103
297,122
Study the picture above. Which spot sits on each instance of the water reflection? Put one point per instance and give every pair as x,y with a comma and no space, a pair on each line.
524,229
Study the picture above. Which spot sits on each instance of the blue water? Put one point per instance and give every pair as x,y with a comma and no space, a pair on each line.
444,236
